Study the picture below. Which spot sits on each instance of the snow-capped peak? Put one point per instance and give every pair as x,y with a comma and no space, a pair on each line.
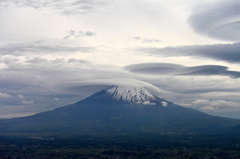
132,94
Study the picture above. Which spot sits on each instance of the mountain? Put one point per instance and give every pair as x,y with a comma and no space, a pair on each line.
117,110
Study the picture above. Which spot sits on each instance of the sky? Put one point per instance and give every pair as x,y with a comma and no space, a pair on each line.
55,53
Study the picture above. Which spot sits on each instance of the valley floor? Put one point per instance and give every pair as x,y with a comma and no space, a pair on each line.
145,147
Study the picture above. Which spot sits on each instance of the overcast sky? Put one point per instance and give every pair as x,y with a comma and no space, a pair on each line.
54,53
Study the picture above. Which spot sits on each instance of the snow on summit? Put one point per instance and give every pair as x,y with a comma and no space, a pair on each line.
132,94
124,89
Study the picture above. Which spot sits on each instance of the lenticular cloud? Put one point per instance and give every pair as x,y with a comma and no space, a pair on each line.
218,19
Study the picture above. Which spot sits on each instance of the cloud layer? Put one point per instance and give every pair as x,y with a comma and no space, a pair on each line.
174,69
70,7
218,19
214,105
224,52
42,47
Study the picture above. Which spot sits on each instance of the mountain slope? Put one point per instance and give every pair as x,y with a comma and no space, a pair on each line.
118,110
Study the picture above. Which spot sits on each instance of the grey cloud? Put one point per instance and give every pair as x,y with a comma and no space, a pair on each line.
70,7
72,60
37,60
66,37
173,69
205,90
31,82
89,33
41,80
191,87
223,108
8,60
218,19
40,47
224,52
144,39
77,34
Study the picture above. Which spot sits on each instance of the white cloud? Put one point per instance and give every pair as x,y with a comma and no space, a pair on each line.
215,105
56,99
148,103
27,102
15,115
201,102
20,96
164,103
5,95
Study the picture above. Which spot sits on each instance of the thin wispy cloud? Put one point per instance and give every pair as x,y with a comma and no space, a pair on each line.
144,39
70,7
42,47
78,34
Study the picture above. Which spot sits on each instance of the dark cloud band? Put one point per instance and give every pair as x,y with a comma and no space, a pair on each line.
224,52
173,69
